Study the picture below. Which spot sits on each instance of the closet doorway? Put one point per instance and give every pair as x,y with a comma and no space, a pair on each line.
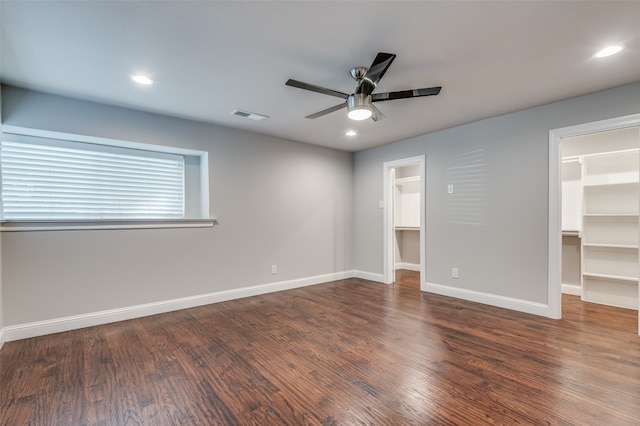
598,215
404,217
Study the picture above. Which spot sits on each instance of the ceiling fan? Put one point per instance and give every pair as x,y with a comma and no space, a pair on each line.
360,103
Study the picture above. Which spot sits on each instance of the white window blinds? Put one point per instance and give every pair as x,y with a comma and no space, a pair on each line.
51,179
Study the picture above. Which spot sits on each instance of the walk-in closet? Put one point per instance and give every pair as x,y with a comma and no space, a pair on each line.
600,199
407,217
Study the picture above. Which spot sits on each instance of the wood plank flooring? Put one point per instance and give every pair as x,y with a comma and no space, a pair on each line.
349,352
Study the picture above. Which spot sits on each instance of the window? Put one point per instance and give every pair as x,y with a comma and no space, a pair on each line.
50,177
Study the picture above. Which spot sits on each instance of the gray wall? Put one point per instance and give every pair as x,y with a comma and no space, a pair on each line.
494,227
291,204
1,291
277,201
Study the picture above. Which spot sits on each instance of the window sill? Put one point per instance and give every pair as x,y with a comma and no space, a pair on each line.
97,224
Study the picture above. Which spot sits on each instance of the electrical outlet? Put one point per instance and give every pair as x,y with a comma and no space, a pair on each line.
455,273
274,269
450,189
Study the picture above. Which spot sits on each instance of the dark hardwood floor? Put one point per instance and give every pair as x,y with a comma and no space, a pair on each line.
344,353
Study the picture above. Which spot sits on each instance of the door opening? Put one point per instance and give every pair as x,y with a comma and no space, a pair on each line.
404,217
594,210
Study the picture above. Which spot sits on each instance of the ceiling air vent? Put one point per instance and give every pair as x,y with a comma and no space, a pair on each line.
249,115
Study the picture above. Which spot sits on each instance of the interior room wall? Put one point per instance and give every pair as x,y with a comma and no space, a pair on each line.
277,202
410,247
571,264
493,227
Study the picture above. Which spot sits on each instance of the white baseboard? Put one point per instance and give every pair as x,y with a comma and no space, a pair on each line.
369,276
57,325
491,299
408,266
571,289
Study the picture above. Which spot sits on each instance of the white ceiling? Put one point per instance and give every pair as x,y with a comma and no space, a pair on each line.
210,57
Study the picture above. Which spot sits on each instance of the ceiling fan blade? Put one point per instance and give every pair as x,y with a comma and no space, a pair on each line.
327,111
377,114
375,72
314,88
404,94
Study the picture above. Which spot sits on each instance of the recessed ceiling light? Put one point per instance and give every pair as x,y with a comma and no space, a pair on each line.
141,79
608,51
351,133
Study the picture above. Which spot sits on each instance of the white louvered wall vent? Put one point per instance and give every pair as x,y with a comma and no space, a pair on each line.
249,115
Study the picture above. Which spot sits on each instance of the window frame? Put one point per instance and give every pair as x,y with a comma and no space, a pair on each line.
196,189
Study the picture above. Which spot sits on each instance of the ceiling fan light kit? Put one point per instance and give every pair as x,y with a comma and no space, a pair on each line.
359,107
360,103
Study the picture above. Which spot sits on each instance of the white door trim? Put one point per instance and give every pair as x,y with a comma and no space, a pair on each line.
555,199
388,226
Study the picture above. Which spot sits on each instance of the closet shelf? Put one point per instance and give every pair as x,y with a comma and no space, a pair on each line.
631,280
613,215
572,159
615,246
603,184
571,233
409,179
407,228
610,154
